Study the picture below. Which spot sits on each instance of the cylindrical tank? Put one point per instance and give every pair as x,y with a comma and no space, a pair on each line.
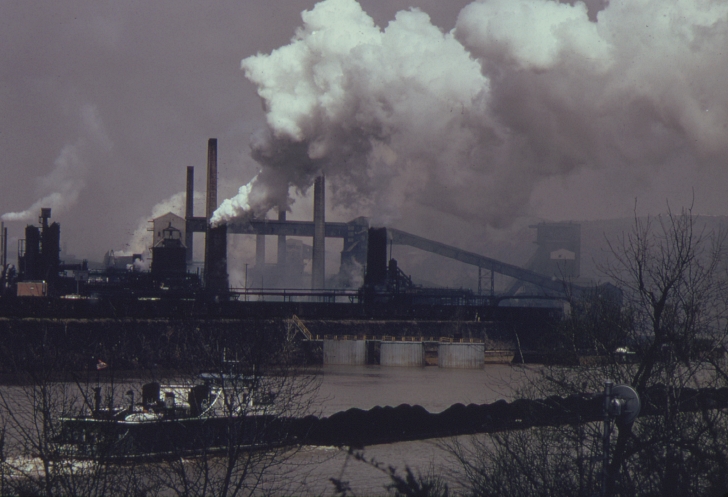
461,355
410,354
345,352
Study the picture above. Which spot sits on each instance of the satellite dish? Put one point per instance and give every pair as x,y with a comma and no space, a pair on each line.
625,404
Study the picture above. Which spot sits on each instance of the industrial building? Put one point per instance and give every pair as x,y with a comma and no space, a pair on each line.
389,301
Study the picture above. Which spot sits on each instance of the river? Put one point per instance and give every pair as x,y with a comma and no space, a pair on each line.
343,387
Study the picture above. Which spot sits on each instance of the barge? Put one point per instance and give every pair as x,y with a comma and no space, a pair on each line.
175,420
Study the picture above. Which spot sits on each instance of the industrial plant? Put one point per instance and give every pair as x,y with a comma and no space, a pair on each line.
378,321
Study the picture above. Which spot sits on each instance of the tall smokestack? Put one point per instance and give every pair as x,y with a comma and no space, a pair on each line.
319,233
189,210
216,277
211,242
211,206
282,244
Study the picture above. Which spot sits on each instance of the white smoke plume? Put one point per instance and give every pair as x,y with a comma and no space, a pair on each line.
234,207
61,188
469,122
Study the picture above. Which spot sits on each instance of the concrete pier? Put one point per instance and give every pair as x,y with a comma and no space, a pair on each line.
461,355
411,354
345,352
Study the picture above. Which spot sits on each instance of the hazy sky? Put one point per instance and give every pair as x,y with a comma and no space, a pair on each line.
104,103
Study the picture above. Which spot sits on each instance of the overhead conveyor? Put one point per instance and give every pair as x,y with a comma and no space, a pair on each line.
399,237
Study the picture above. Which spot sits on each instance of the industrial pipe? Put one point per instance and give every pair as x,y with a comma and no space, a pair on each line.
318,275
189,210
211,206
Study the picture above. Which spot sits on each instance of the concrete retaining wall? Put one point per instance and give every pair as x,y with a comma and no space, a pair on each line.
461,355
348,352
410,354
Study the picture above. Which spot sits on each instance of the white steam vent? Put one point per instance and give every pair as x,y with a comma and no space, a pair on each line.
468,122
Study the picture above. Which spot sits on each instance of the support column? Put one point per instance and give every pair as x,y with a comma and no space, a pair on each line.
260,251
318,275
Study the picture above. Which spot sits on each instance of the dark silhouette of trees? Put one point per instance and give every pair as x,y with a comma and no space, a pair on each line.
672,274
231,453
264,389
32,461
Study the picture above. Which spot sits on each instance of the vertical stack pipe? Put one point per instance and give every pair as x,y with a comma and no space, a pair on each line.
217,277
210,206
282,246
318,275
260,251
189,210
50,246
376,274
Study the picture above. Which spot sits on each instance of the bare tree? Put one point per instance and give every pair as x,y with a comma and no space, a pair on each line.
672,275
34,460
262,389
62,436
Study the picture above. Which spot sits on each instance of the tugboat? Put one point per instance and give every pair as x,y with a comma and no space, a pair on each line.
175,420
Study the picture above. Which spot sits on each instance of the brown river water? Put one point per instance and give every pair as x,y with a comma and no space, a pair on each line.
364,387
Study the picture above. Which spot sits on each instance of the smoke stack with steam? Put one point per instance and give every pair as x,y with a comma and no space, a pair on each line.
216,271
216,277
211,206
319,233
474,123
